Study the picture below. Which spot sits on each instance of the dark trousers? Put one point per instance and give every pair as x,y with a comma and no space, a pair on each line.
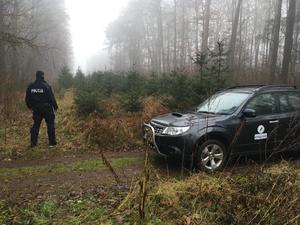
39,113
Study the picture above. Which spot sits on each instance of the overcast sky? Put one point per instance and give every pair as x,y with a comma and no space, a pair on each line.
88,22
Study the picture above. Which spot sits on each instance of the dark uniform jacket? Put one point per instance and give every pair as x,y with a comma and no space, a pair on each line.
39,94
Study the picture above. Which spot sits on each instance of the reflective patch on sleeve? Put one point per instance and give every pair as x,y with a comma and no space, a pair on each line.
38,91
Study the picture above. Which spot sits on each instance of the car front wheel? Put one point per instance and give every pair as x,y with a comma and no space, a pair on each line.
211,156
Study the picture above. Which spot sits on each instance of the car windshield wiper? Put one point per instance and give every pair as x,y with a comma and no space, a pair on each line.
214,113
225,114
206,112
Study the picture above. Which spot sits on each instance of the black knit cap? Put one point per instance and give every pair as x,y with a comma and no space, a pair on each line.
40,75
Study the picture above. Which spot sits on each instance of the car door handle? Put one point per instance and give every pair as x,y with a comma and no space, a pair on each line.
274,121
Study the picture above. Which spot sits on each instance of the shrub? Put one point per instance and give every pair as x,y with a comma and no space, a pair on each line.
65,78
154,85
88,100
79,78
212,70
131,99
180,90
113,83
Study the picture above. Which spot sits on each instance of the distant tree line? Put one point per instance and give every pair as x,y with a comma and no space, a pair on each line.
261,37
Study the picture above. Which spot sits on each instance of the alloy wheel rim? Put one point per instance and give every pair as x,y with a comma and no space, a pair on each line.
212,156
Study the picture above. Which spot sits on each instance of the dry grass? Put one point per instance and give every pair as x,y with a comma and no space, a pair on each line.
255,196
153,107
115,130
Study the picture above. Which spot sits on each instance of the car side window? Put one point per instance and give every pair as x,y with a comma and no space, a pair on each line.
263,104
294,100
284,103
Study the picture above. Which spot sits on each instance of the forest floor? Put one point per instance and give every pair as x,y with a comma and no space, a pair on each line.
70,183
35,181
37,184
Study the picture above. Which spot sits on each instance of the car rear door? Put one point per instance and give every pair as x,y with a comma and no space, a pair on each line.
289,127
259,134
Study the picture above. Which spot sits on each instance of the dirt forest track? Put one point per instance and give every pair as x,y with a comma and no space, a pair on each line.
69,168
76,171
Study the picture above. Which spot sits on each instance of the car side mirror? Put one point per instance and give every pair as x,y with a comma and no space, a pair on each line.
249,113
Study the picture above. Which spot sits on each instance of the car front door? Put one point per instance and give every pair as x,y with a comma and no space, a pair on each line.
259,134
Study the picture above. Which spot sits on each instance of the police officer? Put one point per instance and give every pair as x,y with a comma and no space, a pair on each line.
41,101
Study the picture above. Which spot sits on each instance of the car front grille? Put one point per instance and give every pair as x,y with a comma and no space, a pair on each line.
158,128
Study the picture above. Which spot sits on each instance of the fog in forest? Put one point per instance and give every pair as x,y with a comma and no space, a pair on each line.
88,22
259,39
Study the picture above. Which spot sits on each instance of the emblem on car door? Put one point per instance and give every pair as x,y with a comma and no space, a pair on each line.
261,135
260,129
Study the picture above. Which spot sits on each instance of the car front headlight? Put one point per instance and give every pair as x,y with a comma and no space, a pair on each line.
175,130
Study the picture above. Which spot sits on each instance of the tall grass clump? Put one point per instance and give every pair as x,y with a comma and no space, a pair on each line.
255,196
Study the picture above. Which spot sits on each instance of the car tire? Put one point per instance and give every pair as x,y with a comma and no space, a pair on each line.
211,156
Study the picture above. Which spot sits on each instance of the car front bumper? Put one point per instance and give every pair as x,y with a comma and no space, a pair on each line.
165,145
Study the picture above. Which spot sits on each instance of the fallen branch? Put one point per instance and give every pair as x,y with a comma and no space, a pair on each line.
111,169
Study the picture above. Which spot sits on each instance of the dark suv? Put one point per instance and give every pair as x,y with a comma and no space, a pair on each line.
245,119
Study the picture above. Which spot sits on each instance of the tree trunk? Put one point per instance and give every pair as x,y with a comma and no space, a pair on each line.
175,36
240,45
295,54
183,35
2,59
288,44
267,36
275,44
206,26
197,25
232,43
161,37
257,48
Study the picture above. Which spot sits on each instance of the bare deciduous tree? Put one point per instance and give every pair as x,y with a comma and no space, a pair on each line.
275,41
168,34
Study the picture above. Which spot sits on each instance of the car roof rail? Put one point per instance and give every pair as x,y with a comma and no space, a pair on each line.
246,86
263,87
266,87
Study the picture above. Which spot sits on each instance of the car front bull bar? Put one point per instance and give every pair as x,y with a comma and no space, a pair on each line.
154,141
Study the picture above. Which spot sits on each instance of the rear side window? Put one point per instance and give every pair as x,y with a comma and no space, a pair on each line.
294,99
263,104
289,102
284,103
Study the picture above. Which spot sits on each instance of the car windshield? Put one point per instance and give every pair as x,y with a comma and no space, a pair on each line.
223,103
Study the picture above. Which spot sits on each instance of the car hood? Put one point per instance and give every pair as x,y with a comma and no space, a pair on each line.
186,119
